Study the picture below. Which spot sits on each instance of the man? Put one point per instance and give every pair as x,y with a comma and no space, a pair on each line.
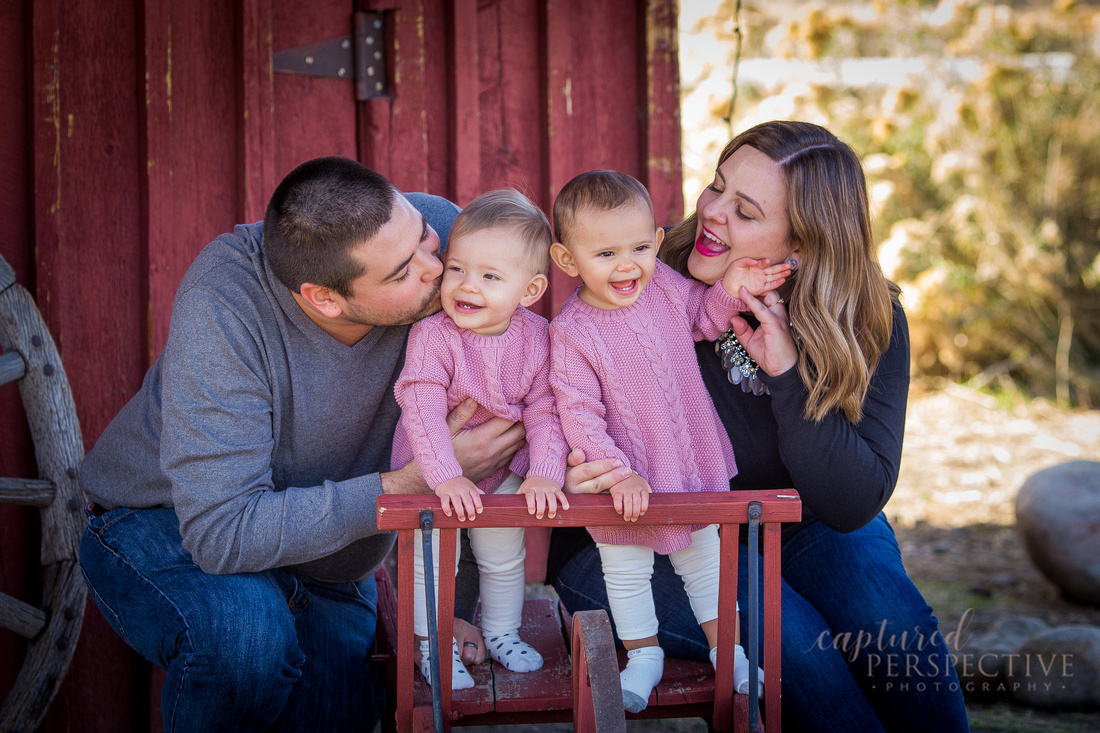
232,534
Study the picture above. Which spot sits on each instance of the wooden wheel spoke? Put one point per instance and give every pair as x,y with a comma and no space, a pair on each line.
22,618
27,491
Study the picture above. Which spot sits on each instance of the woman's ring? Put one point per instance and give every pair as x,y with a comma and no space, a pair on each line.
470,643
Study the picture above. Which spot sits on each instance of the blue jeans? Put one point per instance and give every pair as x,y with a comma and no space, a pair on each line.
847,601
243,652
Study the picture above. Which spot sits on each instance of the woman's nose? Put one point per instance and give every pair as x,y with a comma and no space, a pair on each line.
714,210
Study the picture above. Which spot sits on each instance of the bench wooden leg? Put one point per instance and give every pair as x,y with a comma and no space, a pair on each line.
597,693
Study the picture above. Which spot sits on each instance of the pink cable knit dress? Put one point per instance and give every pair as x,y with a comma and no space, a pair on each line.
628,386
507,375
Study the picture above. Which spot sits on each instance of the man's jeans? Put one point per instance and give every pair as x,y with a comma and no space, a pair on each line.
847,601
243,652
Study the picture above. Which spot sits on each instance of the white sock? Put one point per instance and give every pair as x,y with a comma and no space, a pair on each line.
511,651
460,678
741,671
644,668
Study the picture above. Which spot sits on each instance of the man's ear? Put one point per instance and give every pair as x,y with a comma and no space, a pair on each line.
322,299
563,258
535,289
659,237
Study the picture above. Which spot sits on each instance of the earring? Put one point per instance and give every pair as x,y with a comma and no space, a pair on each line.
793,263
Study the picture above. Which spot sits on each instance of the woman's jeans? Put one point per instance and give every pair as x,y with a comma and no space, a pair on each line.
243,652
861,648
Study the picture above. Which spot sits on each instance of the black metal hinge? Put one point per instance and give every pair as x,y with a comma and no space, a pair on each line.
360,57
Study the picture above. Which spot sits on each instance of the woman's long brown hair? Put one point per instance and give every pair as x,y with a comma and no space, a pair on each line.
839,300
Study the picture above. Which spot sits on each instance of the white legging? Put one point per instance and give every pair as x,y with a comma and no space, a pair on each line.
499,552
627,570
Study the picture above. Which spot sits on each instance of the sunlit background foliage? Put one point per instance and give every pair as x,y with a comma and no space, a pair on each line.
979,128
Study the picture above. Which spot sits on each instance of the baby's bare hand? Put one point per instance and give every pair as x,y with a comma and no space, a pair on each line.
631,497
543,495
462,494
756,276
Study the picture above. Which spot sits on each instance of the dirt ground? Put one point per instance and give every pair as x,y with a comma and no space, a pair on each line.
964,460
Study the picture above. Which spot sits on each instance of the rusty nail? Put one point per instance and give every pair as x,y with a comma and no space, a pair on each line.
62,643
36,340
70,613
70,472
47,369
73,504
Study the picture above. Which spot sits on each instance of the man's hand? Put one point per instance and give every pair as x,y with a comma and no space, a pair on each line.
593,477
484,450
631,497
461,493
756,276
542,495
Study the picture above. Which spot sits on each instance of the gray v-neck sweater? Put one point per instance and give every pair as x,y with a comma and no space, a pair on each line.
265,433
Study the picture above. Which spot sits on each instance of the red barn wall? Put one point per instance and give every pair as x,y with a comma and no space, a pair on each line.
134,133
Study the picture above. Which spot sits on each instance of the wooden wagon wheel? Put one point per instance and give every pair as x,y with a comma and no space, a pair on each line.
30,356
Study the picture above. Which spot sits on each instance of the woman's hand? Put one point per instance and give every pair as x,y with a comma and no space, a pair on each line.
770,344
471,645
594,477
483,450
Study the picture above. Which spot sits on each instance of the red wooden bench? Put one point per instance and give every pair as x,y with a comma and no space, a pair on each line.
580,678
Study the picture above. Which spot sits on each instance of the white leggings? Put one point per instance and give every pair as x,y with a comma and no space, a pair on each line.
627,570
499,552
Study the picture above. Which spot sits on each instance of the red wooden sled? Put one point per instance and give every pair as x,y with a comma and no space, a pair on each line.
580,678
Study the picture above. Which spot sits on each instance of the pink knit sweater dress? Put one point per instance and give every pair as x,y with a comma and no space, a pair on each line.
507,375
628,386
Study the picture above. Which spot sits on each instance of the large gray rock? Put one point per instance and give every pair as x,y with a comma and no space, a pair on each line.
1058,669
1058,517
981,663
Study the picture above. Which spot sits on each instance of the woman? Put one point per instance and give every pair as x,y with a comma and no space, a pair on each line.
820,407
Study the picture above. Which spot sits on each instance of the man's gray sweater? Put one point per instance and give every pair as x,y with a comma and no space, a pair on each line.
264,432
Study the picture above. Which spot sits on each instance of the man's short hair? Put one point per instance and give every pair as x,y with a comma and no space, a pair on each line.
319,213
595,191
507,208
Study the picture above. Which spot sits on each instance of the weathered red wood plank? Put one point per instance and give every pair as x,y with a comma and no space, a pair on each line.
727,622
466,106
314,116
190,190
394,131
593,115
660,72
19,542
90,277
512,94
257,174
773,632
548,688
401,512
597,694
405,640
